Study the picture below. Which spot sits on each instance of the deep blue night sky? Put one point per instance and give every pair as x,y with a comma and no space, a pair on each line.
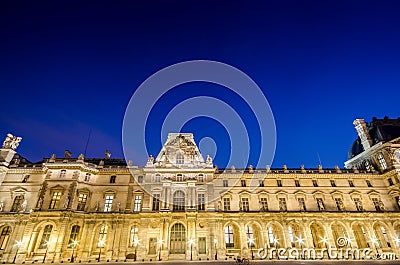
68,67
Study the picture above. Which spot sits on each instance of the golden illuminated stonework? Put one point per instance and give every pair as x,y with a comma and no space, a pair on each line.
180,206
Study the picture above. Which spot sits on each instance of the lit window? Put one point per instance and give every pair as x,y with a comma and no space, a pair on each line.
102,236
73,237
271,236
229,243
45,237
108,202
250,236
137,204
55,200
4,237
82,199
385,236
291,236
382,162
112,179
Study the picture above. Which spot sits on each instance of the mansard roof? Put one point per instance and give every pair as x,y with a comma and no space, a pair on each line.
380,130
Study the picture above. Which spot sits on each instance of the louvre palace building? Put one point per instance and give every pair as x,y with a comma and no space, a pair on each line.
180,206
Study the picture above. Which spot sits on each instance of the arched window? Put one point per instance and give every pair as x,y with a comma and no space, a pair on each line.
271,236
338,231
73,237
229,240
178,239
360,233
250,236
133,236
45,236
318,236
180,158
102,236
17,202
4,237
179,201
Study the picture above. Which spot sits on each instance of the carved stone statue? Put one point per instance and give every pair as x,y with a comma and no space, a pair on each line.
81,157
209,160
66,203
97,207
11,142
118,207
150,159
40,203
381,206
284,167
23,206
1,206
67,154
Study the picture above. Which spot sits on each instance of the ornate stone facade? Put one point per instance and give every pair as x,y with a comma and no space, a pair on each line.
179,206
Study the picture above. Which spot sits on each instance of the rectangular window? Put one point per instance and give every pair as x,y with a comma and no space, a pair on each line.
17,202
201,202
4,237
227,204
302,204
87,177
55,199
320,204
315,183
201,178
261,183
137,203
202,245
153,246
382,162
179,178
157,178
63,173
112,179
279,182
358,204
225,183
297,183
229,243
243,183
82,199
339,204
245,204
333,183
282,205
376,203
368,183
44,242
73,237
351,183
156,202
263,204
140,179
108,203
390,180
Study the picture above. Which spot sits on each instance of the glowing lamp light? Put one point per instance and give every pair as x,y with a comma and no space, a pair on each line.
324,240
136,242
160,242
276,241
251,241
397,240
18,243
300,240
191,241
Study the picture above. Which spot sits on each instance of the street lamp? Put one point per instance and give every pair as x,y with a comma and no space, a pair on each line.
325,241
101,244
160,243
47,243
191,242
251,242
135,244
215,245
18,244
374,240
73,244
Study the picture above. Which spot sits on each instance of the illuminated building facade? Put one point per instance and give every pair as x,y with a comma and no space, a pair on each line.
180,206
